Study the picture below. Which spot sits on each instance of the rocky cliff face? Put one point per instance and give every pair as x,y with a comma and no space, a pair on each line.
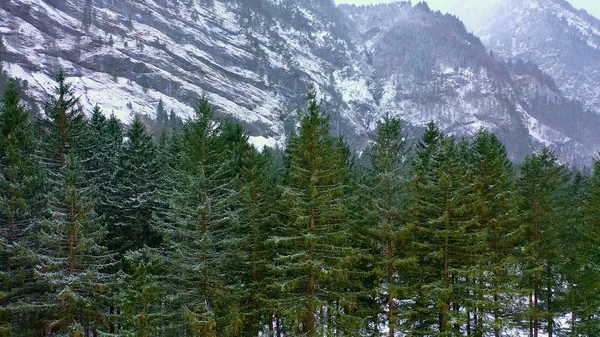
252,59
255,58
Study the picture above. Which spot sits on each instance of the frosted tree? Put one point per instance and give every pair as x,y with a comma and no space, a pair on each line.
313,247
70,260
20,181
386,188
202,230
161,113
580,238
445,235
140,294
259,218
104,139
497,208
135,199
542,180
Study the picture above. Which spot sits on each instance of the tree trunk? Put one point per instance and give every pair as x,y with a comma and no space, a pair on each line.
531,315
496,315
549,314
446,305
204,229
391,304
468,323
72,233
11,227
310,288
536,321
311,306
279,327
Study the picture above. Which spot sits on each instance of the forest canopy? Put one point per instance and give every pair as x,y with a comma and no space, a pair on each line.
106,230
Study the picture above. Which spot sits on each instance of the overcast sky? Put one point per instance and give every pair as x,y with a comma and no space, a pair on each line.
592,6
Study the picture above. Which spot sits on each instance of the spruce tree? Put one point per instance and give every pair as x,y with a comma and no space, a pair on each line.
422,317
161,114
93,146
202,230
105,139
313,248
140,294
70,260
497,208
136,197
581,237
64,126
175,122
386,192
260,217
446,237
542,180
19,186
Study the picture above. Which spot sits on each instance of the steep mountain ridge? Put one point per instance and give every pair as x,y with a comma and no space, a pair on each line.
562,40
428,67
254,60
131,54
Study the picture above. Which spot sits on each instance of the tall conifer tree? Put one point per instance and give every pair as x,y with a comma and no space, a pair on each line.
541,183
314,246
202,231
19,184
386,191
70,259
497,208
445,236
581,237
136,197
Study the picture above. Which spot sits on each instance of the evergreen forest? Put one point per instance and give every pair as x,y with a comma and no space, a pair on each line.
109,229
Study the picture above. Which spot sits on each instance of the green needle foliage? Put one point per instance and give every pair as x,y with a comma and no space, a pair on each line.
71,262
314,247
135,199
105,231
20,180
542,181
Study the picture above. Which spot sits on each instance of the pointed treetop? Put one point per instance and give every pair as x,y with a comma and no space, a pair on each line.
432,134
12,94
389,130
14,118
314,106
137,127
67,102
97,117
204,117
387,150
161,113
204,110
488,148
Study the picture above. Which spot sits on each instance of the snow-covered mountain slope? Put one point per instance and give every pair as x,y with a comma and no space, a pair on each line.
254,60
428,67
562,40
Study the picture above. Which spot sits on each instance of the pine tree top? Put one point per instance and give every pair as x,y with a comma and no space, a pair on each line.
14,118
